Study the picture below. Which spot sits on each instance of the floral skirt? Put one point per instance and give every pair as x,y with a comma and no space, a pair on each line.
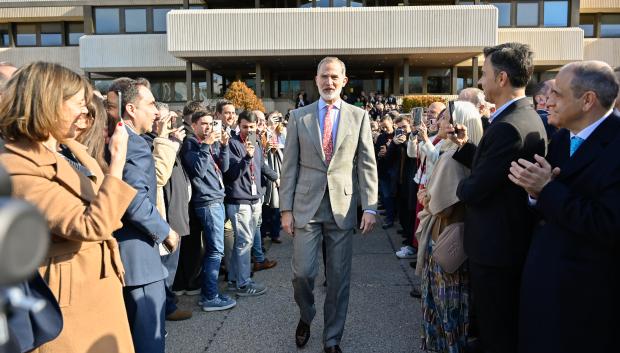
445,308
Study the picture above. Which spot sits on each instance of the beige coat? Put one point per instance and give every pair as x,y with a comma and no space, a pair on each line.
164,154
83,267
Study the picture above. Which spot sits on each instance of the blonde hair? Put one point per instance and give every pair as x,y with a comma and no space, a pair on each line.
32,101
465,113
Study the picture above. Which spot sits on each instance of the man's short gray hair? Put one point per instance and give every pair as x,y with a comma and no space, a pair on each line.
595,76
332,59
161,105
473,95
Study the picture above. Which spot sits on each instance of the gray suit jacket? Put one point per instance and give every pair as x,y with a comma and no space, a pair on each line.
351,176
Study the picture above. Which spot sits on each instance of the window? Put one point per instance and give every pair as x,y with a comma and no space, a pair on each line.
503,16
5,38
51,34
438,80
610,25
556,14
527,14
107,20
586,23
135,20
74,32
159,19
26,35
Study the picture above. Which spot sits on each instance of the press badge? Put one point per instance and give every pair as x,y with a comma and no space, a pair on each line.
254,192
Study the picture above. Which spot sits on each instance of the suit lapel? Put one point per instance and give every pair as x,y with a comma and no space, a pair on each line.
344,127
311,121
593,147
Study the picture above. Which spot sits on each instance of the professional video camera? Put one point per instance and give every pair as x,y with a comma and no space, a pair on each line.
24,241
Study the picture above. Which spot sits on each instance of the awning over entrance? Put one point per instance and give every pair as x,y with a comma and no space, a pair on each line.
414,32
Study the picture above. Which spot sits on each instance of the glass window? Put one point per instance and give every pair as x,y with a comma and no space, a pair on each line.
51,34
5,39
26,35
107,20
180,91
610,25
218,85
503,16
586,23
556,14
75,31
159,19
527,14
135,20
438,81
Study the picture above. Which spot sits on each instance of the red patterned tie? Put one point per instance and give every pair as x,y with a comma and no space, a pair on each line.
328,143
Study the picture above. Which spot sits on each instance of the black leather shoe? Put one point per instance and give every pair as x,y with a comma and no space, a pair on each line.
302,334
415,293
332,349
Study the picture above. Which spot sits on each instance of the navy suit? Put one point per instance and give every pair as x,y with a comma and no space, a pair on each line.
143,229
569,293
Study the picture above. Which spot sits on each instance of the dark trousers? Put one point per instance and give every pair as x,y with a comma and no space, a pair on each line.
386,193
495,292
191,253
171,262
145,312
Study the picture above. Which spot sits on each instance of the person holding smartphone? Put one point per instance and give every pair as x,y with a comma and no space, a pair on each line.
243,201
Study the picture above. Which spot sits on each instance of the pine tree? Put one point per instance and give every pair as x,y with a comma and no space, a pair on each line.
243,97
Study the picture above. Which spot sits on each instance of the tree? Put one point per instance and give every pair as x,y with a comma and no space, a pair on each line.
243,97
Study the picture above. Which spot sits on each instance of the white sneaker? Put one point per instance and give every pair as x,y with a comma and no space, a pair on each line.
407,252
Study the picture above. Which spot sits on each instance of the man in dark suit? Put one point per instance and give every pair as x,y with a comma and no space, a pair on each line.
143,227
498,222
570,280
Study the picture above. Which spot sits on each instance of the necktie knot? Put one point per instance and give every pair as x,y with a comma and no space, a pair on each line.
575,142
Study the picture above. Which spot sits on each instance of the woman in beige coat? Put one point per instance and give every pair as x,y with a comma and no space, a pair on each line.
38,113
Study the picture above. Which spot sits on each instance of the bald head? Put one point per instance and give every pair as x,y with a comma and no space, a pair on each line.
434,109
475,96
593,76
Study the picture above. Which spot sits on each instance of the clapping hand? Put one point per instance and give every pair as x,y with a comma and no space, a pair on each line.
532,177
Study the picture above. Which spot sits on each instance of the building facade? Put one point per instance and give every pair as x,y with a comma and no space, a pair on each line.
192,49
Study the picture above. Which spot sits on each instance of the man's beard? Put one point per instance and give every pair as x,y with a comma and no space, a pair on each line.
330,96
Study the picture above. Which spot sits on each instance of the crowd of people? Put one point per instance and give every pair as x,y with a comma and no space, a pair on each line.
507,205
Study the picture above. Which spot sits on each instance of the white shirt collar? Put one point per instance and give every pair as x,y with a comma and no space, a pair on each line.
503,107
585,133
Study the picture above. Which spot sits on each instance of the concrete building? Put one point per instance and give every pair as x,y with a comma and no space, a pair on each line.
194,48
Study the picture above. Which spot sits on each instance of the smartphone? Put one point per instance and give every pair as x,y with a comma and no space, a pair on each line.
451,111
252,137
417,115
398,132
217,126
120,106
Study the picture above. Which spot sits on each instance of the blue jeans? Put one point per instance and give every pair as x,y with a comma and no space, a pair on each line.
257,247
244,220
387,198
212,218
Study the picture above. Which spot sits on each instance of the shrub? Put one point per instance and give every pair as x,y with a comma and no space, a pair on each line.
243,97
410,102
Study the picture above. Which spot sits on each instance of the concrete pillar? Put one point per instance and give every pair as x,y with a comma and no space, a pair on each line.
237,75
396,83
209,80
89,27
268,84
406,77
386,86
186,4
474,71
188,80
257,81
425,82
454,81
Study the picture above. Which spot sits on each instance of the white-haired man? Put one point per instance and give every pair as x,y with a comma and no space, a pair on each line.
329,164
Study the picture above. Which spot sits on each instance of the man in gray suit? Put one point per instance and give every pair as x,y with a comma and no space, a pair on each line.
329,168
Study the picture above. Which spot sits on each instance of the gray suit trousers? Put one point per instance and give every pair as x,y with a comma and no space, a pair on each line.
306,245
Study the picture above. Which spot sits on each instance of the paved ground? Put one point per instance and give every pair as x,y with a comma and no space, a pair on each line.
382,316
